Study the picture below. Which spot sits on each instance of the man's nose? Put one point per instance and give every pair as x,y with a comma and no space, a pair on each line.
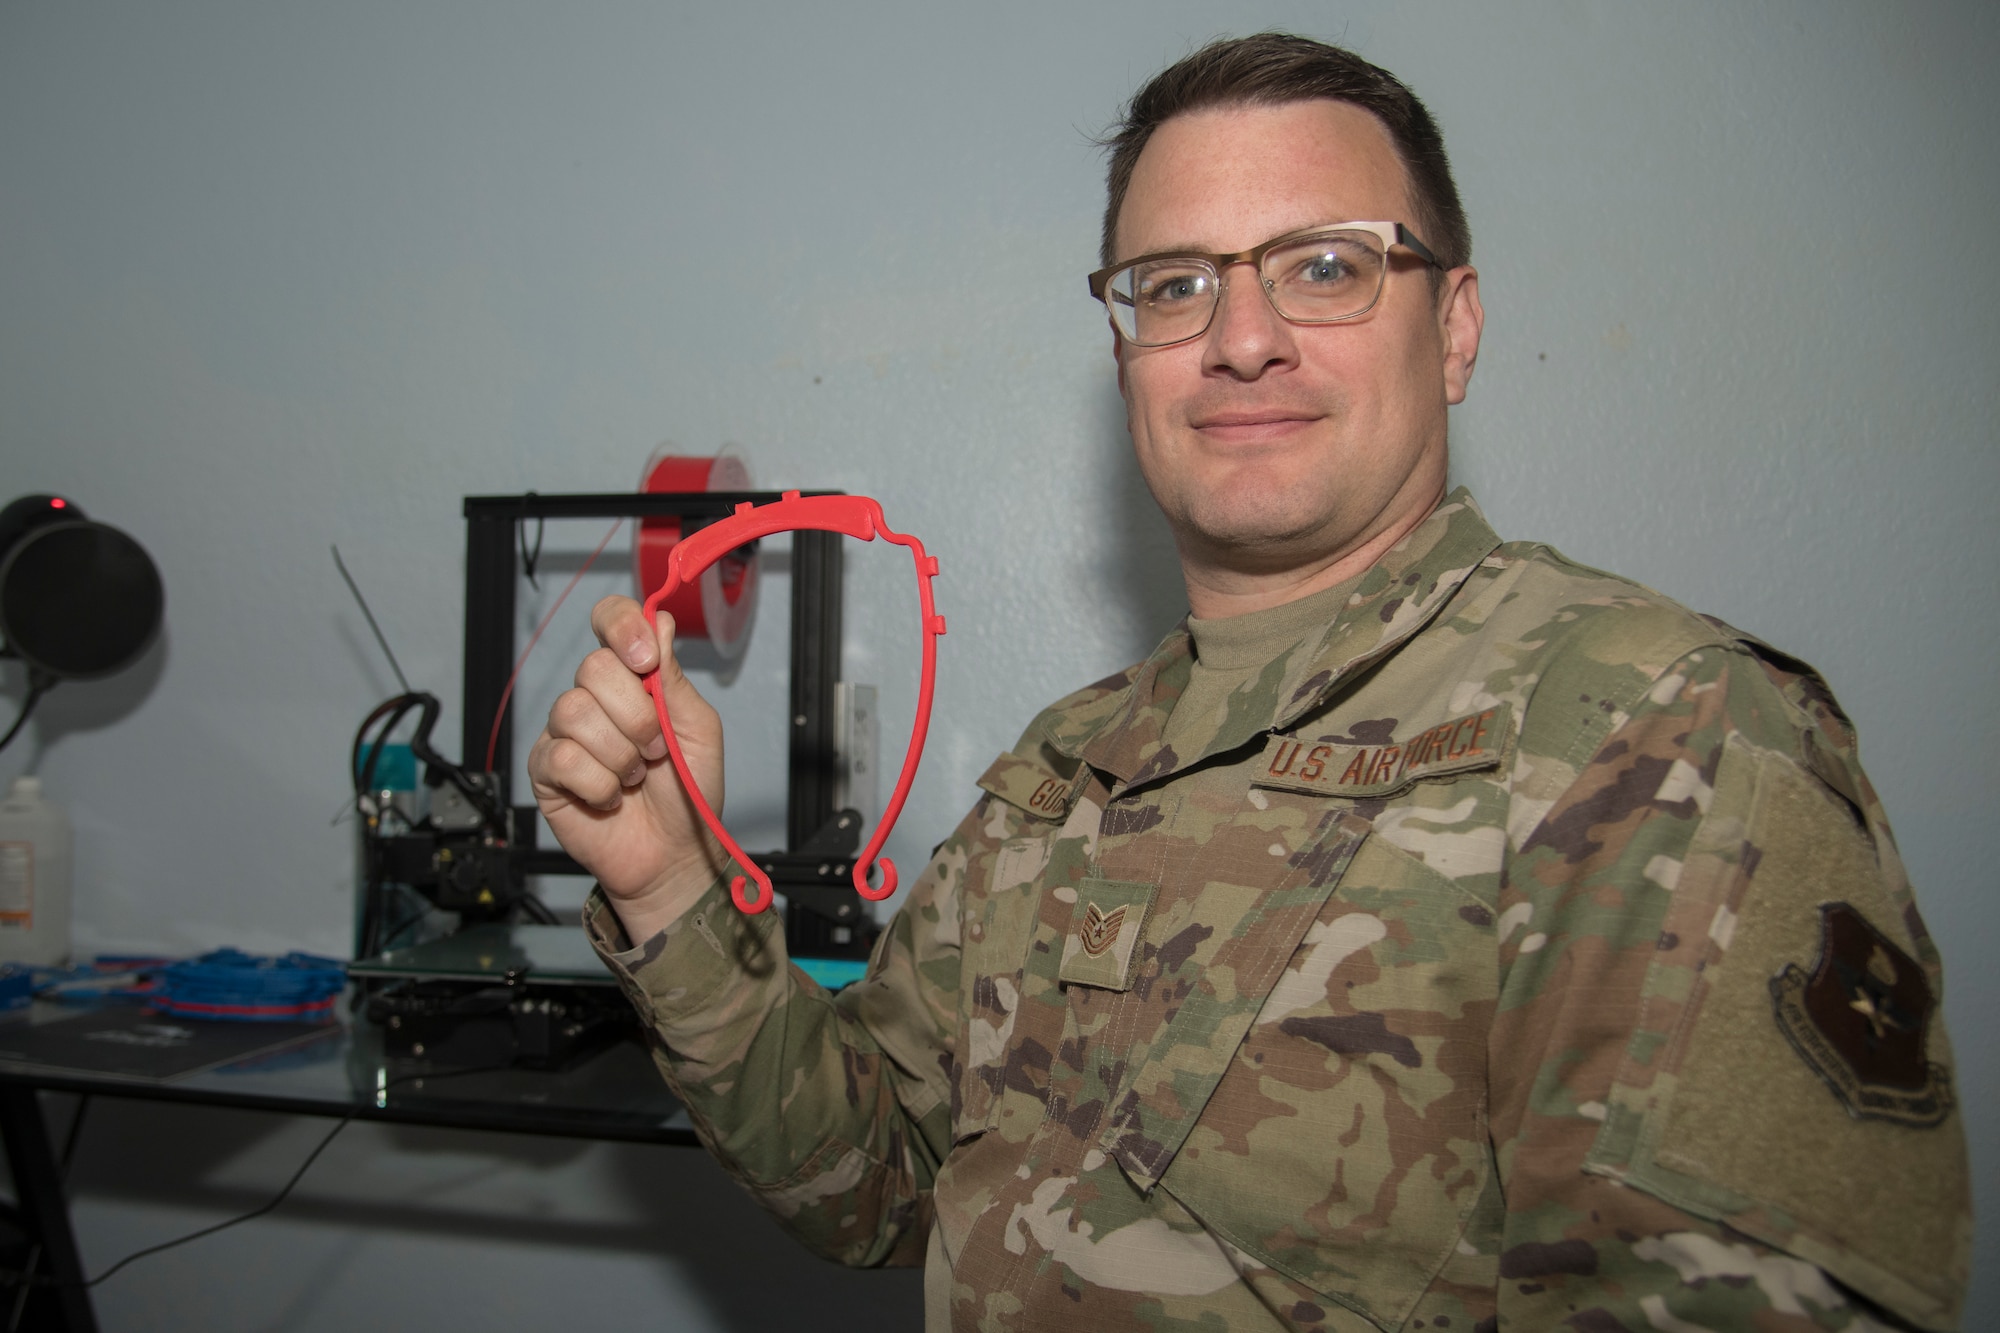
1248,336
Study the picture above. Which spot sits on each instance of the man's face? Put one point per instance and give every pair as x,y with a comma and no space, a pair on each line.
1277,448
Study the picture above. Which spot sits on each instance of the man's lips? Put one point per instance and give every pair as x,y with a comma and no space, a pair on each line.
1253,424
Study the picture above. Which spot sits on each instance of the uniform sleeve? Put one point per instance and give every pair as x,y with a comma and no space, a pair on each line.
1719,1076
833,1111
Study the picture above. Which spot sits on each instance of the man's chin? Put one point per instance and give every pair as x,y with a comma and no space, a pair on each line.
1265,539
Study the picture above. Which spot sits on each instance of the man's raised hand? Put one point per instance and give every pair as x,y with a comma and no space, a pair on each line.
603,780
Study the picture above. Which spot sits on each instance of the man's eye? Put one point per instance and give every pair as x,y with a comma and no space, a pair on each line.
1169,289
1324,268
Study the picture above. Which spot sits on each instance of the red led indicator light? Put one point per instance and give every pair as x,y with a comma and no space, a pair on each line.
58,503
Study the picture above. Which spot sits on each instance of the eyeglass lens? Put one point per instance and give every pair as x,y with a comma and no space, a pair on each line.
1313,280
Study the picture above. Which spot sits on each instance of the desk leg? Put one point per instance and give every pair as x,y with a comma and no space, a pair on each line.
44,1210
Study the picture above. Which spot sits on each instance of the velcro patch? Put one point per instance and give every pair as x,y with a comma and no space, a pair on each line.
1461,745
1028,786
1859,1018
1104,932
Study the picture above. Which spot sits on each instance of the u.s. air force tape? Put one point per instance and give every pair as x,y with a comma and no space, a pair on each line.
1460,745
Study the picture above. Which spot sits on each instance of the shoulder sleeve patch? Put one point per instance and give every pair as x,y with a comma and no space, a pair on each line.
1459,745
1788,1075
1858,1014
1026,785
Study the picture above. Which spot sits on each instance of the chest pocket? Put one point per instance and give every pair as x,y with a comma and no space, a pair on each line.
1344,1144
999,932
1238,887
993,960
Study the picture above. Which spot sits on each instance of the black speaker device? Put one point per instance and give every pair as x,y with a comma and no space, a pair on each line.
78,599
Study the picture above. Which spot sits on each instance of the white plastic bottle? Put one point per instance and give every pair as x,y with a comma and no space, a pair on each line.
34,877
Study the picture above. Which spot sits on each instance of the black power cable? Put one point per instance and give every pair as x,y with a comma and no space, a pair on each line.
39,684
28,1277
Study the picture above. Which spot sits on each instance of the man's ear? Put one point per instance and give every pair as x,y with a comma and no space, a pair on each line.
1118,355
1461,318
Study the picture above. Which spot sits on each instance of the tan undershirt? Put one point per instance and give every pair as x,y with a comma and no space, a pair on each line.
1230,652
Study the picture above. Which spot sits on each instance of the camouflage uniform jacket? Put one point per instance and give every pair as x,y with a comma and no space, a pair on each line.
1526,952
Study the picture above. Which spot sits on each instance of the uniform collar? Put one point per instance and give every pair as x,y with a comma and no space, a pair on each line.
1119,735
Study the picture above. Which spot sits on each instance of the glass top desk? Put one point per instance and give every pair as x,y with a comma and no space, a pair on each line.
614,1093
343,1070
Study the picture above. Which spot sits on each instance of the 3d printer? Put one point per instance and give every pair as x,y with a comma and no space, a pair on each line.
508,981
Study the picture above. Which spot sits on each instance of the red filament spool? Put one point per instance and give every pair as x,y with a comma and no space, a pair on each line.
719,606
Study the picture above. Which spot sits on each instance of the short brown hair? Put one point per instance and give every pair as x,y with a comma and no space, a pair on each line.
1275,68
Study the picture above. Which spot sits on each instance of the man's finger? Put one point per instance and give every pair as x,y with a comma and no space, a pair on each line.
563,767
620,625
623,701
583,715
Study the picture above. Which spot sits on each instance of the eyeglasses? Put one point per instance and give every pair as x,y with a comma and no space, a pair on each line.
1319,276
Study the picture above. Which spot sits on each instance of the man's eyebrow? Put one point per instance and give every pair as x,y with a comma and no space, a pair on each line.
1197,248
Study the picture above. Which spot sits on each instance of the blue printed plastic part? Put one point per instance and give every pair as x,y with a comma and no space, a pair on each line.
17,986
238,987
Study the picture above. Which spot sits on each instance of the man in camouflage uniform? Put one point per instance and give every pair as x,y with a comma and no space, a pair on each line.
1431,934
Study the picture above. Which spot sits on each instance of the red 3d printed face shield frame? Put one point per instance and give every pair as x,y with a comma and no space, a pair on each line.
855,516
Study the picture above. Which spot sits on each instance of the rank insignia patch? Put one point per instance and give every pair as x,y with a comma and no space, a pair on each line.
1859,1021
1099,929
1104,933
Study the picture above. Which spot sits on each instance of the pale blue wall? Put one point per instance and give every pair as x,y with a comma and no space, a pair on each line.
278,275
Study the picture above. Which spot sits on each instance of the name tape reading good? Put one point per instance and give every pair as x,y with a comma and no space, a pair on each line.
1460,745
1028,786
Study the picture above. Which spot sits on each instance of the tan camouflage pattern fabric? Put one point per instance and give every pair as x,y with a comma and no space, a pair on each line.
1476,1040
